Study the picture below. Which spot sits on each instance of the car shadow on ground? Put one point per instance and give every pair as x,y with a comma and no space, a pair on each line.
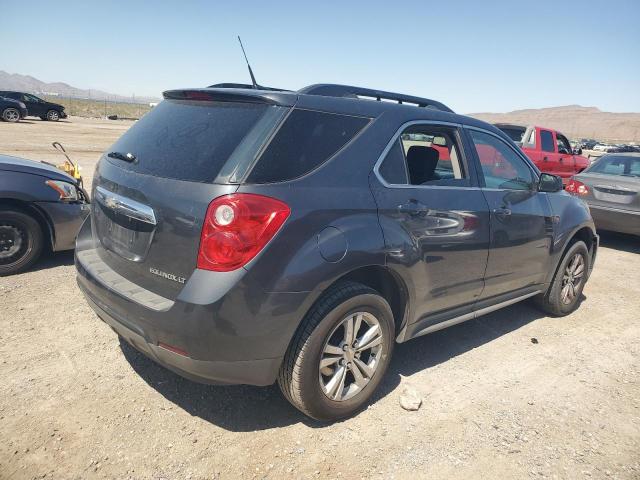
52,260
245,408
619,241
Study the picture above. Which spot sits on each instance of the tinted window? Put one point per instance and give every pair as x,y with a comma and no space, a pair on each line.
617,165
546,138
501,167
305,141
187,140
514,133
394,168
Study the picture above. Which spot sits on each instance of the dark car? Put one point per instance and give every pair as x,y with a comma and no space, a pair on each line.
12,110
611,188
37,107
40,207
246,236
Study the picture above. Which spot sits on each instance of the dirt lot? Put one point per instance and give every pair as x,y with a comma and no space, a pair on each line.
74,403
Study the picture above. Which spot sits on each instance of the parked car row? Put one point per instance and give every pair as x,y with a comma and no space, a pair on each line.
617,148
18,105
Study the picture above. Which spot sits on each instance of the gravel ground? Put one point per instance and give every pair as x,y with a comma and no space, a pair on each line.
513,394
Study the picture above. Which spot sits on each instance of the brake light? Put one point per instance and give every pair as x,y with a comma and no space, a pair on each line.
236,228
576,187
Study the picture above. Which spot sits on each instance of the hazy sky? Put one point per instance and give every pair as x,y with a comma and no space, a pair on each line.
473,55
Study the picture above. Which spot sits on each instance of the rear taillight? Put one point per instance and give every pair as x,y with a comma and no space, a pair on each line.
236,228
575,187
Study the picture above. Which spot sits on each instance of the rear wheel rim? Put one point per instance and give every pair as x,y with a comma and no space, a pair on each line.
350,356
11,115
14,243
572,279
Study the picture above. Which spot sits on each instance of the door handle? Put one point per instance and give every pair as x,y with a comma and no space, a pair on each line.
561,159
413,208
544,159
501,212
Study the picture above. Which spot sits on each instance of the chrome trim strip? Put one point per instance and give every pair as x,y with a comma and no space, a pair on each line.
125,206
474,314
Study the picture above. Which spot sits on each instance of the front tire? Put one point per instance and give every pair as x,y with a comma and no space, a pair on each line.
53,115
11,115
339,354
563,295
21,241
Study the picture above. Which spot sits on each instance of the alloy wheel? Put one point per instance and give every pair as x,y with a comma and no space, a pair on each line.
350,356
572,278
11,115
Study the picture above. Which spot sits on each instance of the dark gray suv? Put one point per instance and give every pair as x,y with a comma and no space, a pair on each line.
253,236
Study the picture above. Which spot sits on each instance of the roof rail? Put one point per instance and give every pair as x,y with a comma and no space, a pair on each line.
334,90
245,85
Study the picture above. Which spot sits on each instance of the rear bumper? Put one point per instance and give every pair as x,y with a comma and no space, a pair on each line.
615,220
229,329
252,372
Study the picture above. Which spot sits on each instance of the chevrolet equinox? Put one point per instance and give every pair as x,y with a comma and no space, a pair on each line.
248,236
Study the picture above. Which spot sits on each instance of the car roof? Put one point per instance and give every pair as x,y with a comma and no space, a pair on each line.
338,99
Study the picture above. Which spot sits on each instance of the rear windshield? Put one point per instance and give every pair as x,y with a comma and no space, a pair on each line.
187,140
305,141
617,165
514,133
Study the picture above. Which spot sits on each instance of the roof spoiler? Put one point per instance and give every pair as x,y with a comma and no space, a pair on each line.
348,91
231,94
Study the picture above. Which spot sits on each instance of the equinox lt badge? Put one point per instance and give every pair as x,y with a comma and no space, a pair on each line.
168,276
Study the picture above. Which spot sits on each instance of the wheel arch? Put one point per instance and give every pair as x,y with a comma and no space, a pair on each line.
384,281
584,233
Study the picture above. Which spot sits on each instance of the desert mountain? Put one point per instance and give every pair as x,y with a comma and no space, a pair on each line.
27,83
575,121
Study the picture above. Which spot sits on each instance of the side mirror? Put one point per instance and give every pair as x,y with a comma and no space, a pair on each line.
577,151
549,183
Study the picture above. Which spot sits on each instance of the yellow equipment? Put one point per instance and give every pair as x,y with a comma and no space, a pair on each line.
69,166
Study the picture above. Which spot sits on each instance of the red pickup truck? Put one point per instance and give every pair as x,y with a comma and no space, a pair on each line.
549,149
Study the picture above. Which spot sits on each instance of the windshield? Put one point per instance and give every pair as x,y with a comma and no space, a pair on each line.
617,165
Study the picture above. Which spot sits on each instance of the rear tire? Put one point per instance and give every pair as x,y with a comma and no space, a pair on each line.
53,115
563,295
21,241
11,115
339,354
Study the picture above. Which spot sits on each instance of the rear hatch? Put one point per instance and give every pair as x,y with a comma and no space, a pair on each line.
152,187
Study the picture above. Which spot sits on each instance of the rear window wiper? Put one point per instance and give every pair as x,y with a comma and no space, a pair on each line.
127,157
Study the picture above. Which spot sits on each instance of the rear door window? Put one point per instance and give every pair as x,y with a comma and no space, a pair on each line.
187,140
306,140
425,154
